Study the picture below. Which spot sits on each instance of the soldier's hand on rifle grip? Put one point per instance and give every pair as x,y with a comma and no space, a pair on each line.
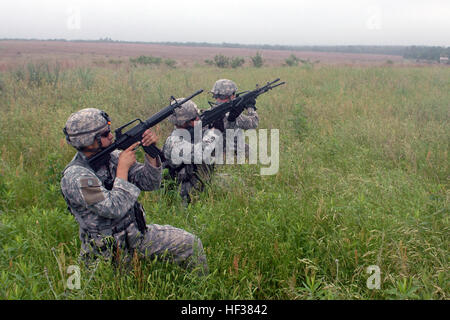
149,137
126,159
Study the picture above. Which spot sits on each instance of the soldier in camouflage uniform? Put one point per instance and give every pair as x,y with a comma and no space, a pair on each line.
224,90
182,167
104,202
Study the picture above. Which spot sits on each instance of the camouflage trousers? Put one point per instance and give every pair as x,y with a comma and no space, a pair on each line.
175,244
193,180
162,241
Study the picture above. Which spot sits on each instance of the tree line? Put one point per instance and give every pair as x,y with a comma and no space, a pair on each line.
432,53
426,53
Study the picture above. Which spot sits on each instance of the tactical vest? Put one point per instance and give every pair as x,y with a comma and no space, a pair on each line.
115,226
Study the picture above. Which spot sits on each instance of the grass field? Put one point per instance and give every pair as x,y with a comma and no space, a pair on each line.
363,180
16,53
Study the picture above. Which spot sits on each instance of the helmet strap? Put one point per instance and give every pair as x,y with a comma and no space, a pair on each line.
95,150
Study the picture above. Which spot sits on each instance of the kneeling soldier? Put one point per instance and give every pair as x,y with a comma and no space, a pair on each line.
104,202
225,90
181,151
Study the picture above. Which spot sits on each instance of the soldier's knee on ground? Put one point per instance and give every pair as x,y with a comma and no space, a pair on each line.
193,257
178,245
197,261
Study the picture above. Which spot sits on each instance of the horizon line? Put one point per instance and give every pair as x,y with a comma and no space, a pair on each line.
224,44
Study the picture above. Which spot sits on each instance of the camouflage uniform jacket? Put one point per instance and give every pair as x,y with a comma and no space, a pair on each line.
103,213
243,122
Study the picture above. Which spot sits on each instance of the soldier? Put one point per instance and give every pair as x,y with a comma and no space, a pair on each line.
181,151
104,202
223,91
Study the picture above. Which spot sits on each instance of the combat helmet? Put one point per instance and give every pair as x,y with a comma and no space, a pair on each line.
185,113
84,126
224,88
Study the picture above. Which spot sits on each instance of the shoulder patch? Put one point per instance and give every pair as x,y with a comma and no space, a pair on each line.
91,190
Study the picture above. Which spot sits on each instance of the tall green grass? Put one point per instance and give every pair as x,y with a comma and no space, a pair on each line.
363,180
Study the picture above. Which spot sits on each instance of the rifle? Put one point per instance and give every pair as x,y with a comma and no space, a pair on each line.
125,140
236,105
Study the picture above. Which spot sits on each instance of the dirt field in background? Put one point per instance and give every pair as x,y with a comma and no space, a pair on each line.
69,54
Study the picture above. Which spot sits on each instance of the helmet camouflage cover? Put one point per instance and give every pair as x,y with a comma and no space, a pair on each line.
83,126
224,87
185,113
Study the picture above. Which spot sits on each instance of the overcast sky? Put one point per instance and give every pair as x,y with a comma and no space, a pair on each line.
318,22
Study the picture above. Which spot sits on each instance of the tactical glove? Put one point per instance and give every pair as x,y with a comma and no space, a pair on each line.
233,115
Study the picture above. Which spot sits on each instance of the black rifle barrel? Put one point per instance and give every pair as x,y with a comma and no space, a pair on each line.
135,134
167,111
219,111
